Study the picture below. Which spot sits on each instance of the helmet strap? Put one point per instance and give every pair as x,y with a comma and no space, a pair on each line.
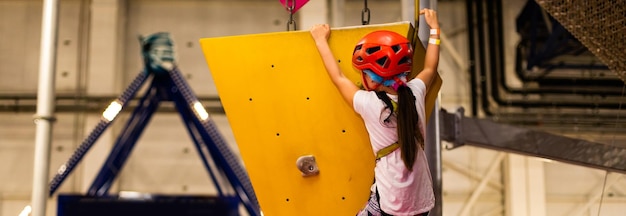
395,82
399,80
377,79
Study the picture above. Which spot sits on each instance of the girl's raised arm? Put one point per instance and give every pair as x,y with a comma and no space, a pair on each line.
346,87
431,60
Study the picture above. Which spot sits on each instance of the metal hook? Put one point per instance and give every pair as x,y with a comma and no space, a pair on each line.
365,11
291,8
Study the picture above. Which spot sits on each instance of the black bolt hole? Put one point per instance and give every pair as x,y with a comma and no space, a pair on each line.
287,199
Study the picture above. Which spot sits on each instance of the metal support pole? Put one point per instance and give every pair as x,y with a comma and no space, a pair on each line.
45,107
433,141
336,12
424,30
408,13
433,154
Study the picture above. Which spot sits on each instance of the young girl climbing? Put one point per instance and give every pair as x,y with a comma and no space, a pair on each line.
392,108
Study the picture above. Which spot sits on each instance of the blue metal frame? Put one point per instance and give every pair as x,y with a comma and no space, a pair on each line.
125,143
167,85
213,140
102,125
155,205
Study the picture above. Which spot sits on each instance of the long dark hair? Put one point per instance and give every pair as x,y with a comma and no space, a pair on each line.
407,124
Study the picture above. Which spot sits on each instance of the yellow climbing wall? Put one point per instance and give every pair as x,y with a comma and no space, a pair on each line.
281,105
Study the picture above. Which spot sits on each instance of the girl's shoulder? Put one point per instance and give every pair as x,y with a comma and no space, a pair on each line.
366,100
416,81
417,85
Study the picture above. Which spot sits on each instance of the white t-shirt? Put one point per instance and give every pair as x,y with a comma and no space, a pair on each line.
402,192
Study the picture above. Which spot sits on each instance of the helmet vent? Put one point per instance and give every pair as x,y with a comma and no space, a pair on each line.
404,60
357,48
396,48
382,61
371,50
358,58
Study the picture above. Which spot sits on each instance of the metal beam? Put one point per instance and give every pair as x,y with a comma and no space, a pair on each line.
594,197
68,103
460,130
481,186
470,174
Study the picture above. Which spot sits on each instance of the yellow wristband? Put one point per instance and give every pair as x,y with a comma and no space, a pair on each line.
434,41
435,31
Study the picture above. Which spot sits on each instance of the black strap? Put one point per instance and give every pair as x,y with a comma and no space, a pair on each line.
388,103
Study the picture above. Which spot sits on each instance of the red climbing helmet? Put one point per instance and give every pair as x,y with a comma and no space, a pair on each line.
385,53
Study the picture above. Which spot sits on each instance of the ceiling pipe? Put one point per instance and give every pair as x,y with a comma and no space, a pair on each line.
469,5
481,57
563,82
543,115
496,66
575,86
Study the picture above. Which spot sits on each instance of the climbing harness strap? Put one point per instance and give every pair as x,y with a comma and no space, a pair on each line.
393,106
386,151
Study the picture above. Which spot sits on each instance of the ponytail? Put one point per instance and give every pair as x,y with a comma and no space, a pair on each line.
408,129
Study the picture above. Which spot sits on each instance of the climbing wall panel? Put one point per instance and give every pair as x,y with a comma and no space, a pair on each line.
282,105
